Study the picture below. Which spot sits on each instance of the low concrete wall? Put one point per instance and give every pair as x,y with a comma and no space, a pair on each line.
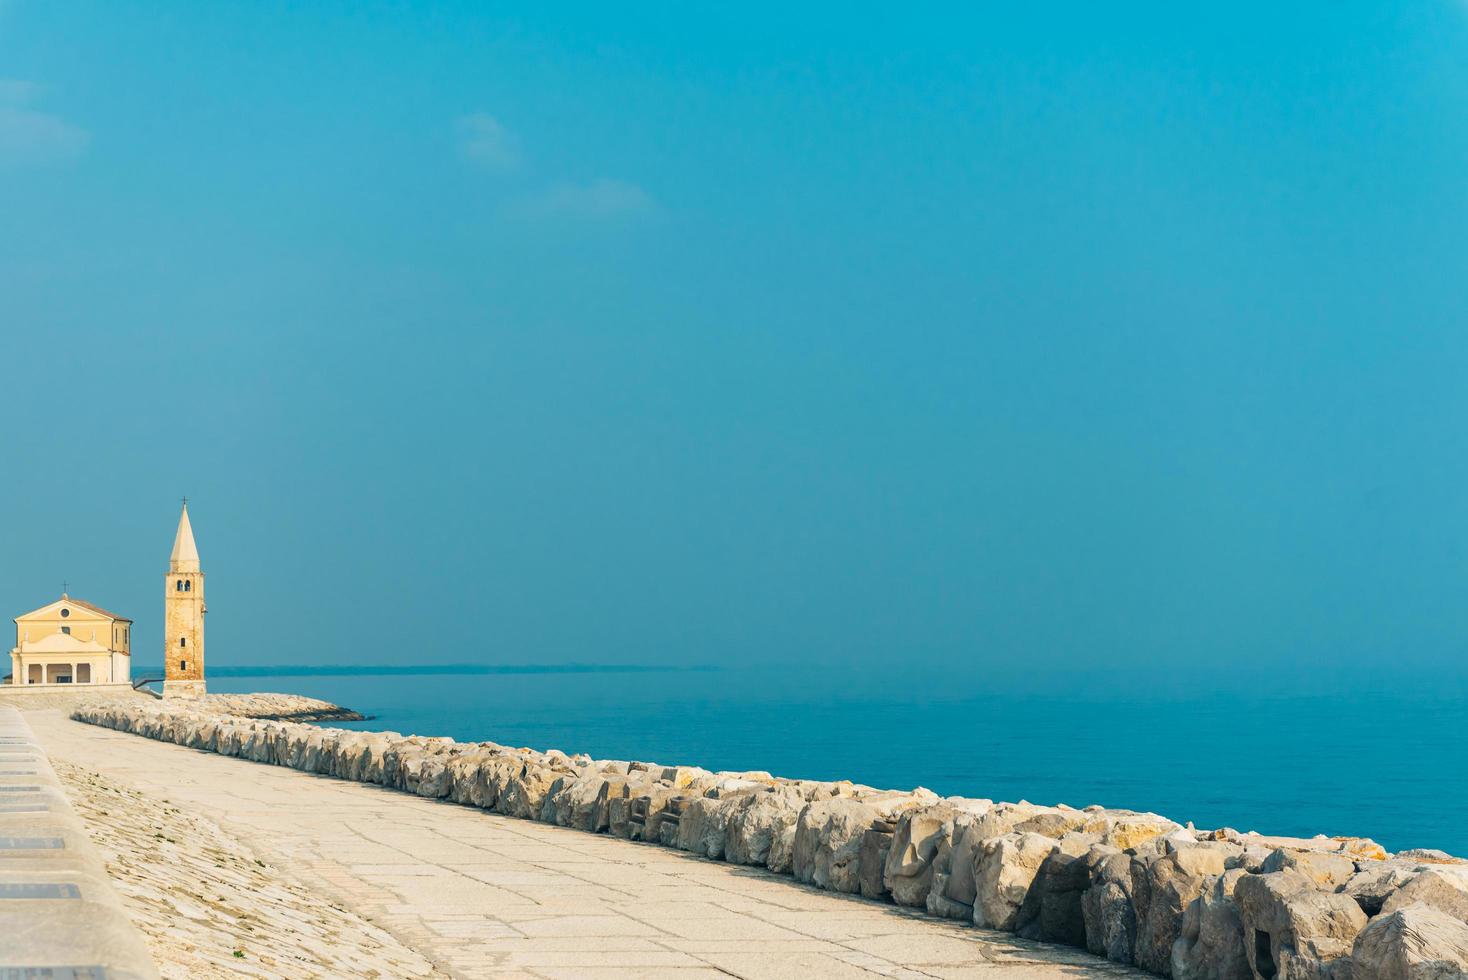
1136,888
38,690
58,913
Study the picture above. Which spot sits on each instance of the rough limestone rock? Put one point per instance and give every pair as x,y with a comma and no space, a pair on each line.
782,851
1412,943
1211,944
1135,887
651,810
1326,869
1053,822
525,791
1429,855
754,827
1378,881
953,891
1162,889
703,825
1124,829
1295,931
1051,911
908,872
876,843
1106,907
1004,869
1434,888
828,838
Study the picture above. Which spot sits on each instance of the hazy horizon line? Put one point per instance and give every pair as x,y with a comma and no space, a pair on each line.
342,670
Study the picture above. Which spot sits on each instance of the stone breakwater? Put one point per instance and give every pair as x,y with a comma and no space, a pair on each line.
1135,888
275,707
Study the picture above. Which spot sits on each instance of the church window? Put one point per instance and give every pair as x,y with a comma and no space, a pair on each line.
65,612
66,630
188,586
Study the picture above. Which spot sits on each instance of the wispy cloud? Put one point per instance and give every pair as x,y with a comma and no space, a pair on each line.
485,140
604,197
30,136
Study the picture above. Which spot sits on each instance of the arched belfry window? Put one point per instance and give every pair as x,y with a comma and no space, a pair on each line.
178,586
188,586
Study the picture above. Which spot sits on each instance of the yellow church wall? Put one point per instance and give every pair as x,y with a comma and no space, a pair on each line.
83,623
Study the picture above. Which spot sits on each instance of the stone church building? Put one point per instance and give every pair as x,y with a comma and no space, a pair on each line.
71,641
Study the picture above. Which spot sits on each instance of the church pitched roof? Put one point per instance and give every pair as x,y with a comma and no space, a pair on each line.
80,603
185,557
97,609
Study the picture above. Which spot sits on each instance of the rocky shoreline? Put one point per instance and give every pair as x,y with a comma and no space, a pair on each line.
1135,888
276,707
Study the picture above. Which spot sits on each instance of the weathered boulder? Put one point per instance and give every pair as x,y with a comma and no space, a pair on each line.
953,891
1211,943
1295,931
781,858
1126,829
1004,869
622,804
1430,855
1328,870
525,790
1051,911
1376,882
876,842
703,824
1162,889
1412,943
1106,906
1052,822
1434,888
753,828
433,777
908,870
828,839
649,810
576,802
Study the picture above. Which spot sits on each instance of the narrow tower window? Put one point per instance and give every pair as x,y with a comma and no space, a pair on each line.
188,586
183,641
183,665
178,586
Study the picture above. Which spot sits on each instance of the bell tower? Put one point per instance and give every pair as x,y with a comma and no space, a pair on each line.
183,616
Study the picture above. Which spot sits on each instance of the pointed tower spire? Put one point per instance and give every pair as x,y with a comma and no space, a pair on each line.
185,557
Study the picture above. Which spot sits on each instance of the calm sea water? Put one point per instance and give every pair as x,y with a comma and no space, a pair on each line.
1391,768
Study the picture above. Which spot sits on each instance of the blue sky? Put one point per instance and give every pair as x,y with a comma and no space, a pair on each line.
1058,341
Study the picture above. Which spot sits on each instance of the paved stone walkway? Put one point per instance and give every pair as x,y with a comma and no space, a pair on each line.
481,895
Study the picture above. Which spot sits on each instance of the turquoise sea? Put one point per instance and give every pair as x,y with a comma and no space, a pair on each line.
1394,768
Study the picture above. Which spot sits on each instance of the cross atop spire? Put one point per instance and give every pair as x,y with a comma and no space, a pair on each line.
185,557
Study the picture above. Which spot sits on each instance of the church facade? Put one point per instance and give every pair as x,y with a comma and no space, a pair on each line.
71,641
